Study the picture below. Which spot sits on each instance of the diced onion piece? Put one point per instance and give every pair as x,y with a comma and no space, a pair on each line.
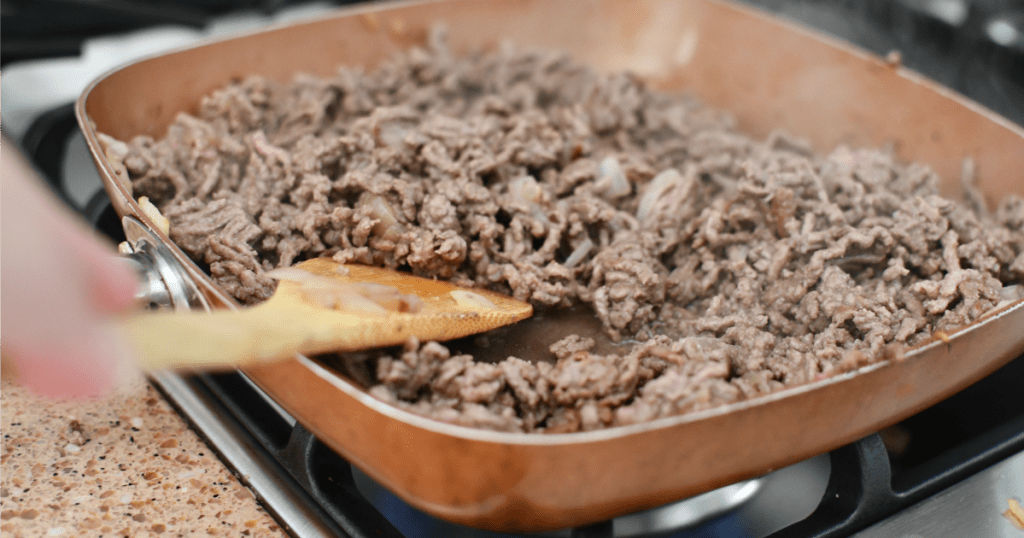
612,178
352,303
113,148
1007,295
364,297
293,274
657,188
381,210
154,215
1015,514
579,253
525,189
1011,293
327,292
265,148
393,134
372,289
405,303
340,296
389,297
469,299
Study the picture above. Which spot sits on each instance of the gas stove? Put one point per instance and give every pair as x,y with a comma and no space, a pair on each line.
949,470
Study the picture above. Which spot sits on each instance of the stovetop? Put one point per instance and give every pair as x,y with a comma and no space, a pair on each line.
950,469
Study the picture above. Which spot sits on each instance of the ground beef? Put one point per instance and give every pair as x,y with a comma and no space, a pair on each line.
719,266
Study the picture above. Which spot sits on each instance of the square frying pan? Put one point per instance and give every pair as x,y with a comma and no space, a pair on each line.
770,74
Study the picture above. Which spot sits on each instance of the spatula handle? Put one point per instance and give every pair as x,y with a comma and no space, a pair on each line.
221,339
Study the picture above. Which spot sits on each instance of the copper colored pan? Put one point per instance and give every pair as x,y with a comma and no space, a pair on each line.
770,74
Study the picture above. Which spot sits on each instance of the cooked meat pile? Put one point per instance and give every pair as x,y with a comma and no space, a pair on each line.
725,267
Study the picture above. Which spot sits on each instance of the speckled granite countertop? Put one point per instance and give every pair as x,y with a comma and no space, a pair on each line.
125,465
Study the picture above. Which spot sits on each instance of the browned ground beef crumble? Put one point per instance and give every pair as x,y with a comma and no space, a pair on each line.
728,267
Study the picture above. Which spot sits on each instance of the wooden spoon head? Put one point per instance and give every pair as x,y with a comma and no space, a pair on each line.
441,317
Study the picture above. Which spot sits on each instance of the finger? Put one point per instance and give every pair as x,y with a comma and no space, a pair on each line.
93,366
110,284
59,287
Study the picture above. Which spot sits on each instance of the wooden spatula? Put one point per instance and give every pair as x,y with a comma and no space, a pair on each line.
295,320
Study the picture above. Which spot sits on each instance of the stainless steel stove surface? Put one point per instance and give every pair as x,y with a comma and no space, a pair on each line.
948,471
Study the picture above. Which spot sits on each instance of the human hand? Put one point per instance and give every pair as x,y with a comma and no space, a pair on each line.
62,287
